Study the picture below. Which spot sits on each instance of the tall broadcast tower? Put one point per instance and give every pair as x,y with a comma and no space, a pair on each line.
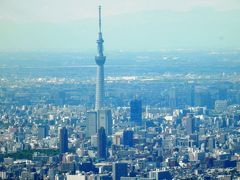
100,60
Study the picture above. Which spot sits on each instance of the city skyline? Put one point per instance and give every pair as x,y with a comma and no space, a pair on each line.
165,113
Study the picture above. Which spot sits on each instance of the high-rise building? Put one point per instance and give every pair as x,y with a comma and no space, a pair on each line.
190,125
105,120
102,143
91,123
42,131
136,111
97,119
100,60
128,138
116,138
119,170
211,143
63,140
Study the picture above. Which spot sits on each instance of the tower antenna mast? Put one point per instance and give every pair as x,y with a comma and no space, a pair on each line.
100,21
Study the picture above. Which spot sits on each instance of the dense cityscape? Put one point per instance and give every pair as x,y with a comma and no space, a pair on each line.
170,114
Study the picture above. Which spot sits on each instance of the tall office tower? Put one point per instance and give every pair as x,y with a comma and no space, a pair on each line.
63,140
100,60
105,120
102,143
136,111
91,123
211,143
190,125
42,131
128,138
119,170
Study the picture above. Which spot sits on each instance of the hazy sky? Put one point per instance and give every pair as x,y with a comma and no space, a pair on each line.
71,24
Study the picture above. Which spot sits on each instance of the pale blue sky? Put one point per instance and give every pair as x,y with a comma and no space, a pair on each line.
127,24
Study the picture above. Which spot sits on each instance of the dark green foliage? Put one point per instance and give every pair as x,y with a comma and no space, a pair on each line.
27,154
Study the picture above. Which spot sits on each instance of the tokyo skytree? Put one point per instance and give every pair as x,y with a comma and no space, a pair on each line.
100,60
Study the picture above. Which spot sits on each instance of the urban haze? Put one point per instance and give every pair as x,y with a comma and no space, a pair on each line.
120,90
